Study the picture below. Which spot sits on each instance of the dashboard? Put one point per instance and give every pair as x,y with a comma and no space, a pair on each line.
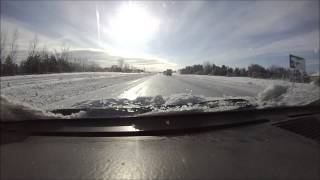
263,148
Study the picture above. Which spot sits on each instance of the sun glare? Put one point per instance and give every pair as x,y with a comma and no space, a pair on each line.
132,25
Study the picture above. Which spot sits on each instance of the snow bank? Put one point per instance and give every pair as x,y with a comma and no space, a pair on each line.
288,94
16,111
272,92
183,99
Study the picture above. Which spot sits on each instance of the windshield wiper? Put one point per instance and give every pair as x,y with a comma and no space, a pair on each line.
104,112
127,110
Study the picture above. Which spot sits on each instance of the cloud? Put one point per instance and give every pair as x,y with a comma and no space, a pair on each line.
299,44
262,28
229,31
25,35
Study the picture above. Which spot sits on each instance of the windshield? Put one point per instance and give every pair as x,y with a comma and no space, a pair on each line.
67,58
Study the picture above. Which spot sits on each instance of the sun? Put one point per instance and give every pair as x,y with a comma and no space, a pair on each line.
132,25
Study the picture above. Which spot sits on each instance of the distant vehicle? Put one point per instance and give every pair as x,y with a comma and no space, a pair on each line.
168,72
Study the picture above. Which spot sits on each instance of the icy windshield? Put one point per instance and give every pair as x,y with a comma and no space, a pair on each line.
61,58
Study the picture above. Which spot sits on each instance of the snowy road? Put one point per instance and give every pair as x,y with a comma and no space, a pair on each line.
198,85
64,90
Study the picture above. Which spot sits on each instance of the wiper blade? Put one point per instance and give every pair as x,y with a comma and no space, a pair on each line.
238,102
103,112
127,110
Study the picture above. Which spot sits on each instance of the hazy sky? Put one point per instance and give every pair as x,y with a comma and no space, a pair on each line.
172,34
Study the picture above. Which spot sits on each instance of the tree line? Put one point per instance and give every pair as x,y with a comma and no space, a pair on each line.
43,62
253,70
123,67
39,61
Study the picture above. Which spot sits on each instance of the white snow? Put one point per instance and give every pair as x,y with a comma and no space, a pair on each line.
16,111
288,94
272,92
42,93
184,99
62,90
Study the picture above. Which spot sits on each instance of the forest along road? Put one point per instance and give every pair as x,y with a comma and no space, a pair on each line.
64,90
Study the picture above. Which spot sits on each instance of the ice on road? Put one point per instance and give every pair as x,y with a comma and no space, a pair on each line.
56,91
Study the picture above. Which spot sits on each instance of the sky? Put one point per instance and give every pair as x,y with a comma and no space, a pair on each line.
171,34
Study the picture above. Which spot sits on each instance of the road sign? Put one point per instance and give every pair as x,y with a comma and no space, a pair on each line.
297,63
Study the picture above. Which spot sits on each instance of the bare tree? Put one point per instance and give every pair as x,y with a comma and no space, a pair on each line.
44,51
45,60
14,46
65,52
121,63
206,67
9,67
3,44
33,46
126,67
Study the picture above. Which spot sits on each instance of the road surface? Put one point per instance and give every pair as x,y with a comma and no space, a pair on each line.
64,90
198,85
